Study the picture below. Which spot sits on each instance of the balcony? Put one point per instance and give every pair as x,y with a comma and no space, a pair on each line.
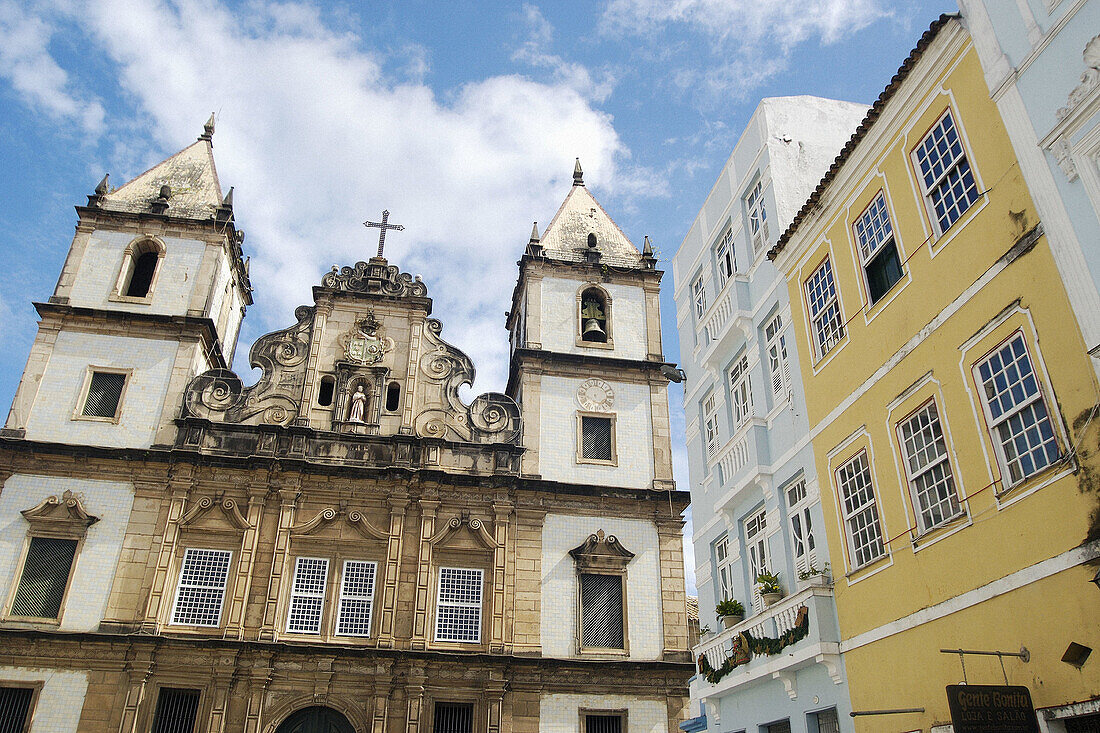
725,323
743,459
820,646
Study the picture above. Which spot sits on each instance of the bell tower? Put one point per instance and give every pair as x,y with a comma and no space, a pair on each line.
585,333
152,293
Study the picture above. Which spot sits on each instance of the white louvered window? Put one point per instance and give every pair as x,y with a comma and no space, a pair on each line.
802,528
307,595
458,605
44,578
758,218
878,250
945,174
602,611
723,255
825,318
201,587
861,518
756,541
928,468
104,395
1023,433
740,392
356,598
724,565
710,424
699,296
778,364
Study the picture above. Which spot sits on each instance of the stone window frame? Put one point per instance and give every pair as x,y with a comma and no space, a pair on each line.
210,543
602,554
176,681
334,581
451,564
137,247
614,442
55,517
621,713
607,310
477,703
86,385
35,686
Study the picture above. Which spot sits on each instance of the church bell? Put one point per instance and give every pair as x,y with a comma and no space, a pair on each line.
592,329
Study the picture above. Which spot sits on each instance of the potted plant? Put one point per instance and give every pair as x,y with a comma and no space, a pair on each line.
730,612
770,590
814,576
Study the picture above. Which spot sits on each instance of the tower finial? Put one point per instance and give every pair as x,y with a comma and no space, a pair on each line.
208,130
535,232
647,248
578,174
101,189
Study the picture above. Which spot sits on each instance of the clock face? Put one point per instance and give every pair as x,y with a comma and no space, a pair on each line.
596,394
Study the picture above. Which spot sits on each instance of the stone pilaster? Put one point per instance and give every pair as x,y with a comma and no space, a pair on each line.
394,546
288,504
428,509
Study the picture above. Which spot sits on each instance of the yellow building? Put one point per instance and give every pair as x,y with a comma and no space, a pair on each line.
952,406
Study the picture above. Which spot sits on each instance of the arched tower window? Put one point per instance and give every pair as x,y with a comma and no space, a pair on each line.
139,268
393,397
594,320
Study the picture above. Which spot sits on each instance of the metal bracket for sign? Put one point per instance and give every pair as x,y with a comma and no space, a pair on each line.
894,711
1024,655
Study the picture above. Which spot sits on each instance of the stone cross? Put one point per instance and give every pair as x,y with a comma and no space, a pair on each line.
383,225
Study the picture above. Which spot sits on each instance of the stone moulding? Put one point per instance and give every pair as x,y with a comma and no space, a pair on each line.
227,506
65,511
601,552
455,524
375,277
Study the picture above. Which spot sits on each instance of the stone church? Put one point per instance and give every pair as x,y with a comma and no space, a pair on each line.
345,545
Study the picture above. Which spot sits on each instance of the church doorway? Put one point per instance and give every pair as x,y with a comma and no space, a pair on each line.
316,719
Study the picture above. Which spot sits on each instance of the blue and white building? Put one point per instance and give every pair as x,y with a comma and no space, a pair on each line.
754,491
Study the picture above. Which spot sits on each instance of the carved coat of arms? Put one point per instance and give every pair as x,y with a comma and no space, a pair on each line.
366,343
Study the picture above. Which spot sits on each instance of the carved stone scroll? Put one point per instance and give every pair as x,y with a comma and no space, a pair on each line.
65,512
376,276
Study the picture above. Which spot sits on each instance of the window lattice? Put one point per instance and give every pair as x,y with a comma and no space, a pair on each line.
453,717
802,530
945,173
458,606
724,254
699,295
104,393
596,438
778,363
860,510
45,575
603,723
758,218
928,467
756,542
356,598
201,587
15,707
176,710
828,326
873,228
602,611
307,595
724,563
1020,421
710,424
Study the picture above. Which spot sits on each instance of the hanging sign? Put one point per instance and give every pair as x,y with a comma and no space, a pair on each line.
991,709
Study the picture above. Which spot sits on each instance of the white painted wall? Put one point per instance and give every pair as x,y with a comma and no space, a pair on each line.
561,713
558,435
59,703
61,391
559,319
102,262
560,587
97,558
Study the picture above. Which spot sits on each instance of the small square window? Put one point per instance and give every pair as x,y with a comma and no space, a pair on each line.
104,394
597,439
44,578
177,710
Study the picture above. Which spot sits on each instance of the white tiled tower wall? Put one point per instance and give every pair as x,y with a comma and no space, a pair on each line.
559,318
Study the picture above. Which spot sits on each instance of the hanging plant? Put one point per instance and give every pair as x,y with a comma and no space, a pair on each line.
745,645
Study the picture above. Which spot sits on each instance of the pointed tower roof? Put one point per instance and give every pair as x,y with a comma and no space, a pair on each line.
567,236
190,176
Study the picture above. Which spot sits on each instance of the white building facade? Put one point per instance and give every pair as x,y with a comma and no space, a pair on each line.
754,492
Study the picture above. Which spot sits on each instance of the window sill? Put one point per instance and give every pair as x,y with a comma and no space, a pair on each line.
1024,485
609,344
861,570
146,300
947,526
31,622
603,653
93,418
595,462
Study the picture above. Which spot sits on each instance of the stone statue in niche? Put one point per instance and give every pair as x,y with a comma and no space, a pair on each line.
358,405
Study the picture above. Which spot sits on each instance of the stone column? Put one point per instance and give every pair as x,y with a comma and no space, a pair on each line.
394,546
139,668
242,582
502,512
428,509
288,504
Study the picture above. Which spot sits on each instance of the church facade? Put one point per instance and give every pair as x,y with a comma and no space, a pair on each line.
345,545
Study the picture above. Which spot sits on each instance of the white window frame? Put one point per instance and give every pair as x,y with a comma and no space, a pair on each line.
826,315
995,424
711,429
757,554
779,363
922,467
347,599
724,567
740,391
189,553
867,511
725,256
757,215
929,190
301,597
699,296
440,603
800,523
874,231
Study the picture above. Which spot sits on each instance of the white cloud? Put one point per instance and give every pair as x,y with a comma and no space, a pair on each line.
317,139
25,61
536,52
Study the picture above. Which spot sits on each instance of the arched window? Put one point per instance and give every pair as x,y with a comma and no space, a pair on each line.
593,321
139,268
393,397
324,393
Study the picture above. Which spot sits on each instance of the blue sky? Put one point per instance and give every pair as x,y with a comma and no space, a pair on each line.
463,119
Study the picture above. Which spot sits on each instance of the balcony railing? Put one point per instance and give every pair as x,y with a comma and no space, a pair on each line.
719,314
820,646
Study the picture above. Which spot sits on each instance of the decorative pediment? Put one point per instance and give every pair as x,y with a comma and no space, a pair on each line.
378,277
601,552
320,520
227,506
464,533
359,520
63,513
1090,79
